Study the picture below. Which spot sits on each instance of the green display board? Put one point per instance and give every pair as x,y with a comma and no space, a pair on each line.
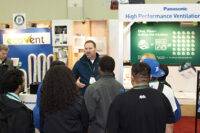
170,42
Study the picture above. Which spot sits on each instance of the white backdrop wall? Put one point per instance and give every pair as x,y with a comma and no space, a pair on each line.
114,44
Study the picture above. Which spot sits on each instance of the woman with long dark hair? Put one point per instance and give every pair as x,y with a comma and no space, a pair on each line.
63,110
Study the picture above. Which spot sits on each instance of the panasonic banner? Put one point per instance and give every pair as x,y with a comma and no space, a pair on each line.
159,12
133,14
29,44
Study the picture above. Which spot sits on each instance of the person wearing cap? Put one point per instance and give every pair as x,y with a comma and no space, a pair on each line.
141,109
162,82
156,73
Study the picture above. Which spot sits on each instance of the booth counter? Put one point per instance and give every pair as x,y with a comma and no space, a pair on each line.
187,102
29,100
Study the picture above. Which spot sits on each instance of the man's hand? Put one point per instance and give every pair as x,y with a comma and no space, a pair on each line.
79,84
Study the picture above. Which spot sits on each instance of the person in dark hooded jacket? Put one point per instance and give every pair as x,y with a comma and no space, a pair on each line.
86,69
14,116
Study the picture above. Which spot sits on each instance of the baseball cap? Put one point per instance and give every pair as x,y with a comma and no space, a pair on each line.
156,72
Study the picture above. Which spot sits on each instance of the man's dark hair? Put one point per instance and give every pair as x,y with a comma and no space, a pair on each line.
58,90
55,63
11,80
107,64
90,41
166,70
141,72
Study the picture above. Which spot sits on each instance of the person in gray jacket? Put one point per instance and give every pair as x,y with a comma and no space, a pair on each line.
100,95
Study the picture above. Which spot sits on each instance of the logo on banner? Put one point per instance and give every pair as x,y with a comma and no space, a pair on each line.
143,44
26,38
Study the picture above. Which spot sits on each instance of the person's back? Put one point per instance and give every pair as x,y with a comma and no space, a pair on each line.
70,120
156,73
62,109
100,95
140,111
14,116
3,70
98,98
36,109
162,83
167,91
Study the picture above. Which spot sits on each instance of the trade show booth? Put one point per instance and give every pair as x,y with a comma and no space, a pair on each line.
170,32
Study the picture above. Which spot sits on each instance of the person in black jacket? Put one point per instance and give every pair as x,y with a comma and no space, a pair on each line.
141,109
5,63
62,108
14,116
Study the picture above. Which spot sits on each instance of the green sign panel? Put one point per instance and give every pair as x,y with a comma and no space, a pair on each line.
170,42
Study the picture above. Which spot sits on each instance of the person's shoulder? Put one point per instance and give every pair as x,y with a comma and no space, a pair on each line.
78,103
122,98
78,62
8,59
152,84
26,108
83,58
124,95
153,90
79,99
91,89
167,89
97,56
77,65
104,82
118,83
23,111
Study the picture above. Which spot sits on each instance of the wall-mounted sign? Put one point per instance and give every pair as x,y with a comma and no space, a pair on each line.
19,21
159,12
60,35
169,42
26,38
75,9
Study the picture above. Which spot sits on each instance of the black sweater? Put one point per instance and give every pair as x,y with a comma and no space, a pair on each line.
16,116
73,119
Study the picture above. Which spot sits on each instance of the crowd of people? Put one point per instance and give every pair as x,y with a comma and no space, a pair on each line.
88,98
